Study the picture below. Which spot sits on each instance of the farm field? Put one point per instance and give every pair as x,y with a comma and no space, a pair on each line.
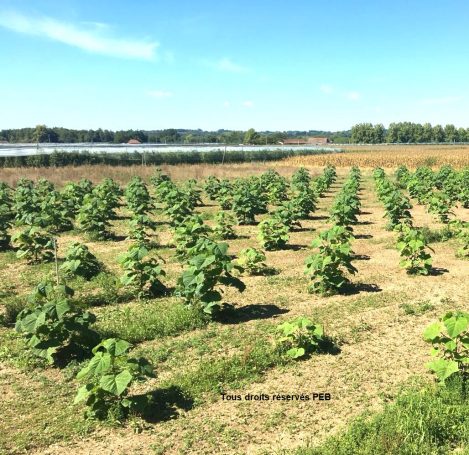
387,156
391,156
373,320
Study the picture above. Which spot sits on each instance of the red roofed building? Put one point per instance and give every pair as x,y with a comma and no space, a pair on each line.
134,142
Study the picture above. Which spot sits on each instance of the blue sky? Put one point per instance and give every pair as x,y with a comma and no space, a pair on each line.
270,65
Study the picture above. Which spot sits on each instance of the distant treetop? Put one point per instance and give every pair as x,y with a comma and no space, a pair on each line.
407,132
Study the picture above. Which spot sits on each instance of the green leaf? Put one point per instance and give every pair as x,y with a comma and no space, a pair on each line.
211,308
99,364
318,331
432,331
30,322
46,348
142,366
116,384
295,353
456,325
114,346
83,393
443,368
62,308
451,345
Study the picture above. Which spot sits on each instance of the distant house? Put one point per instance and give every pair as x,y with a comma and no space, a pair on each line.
293,142
3,141
134,142
316,140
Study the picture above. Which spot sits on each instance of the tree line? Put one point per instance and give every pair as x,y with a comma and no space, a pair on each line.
42,133
407,132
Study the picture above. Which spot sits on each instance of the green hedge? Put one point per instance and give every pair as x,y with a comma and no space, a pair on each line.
79,158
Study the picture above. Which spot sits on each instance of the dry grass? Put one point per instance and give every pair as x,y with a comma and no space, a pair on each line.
122,174
390,156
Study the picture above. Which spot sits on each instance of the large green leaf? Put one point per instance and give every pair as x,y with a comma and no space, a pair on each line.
295,353
443,368
142,252
116,384
318,330
432,331
211,308
456,324
99,364
287,328
62,307
30,322
114,346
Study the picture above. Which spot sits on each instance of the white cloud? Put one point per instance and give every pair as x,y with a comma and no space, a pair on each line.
226,104
441,101
227,65
88,37
353,96
100,25
326,88
248,103
159,94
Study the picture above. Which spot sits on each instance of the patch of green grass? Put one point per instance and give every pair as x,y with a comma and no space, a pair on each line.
174,351
210,343
149,320
422,421
35,273
12,306
333,312
417,308
104,289
227,373
437,235
7,257
13,351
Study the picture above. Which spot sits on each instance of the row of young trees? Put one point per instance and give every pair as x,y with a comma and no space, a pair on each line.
58,330
85,157
407,132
